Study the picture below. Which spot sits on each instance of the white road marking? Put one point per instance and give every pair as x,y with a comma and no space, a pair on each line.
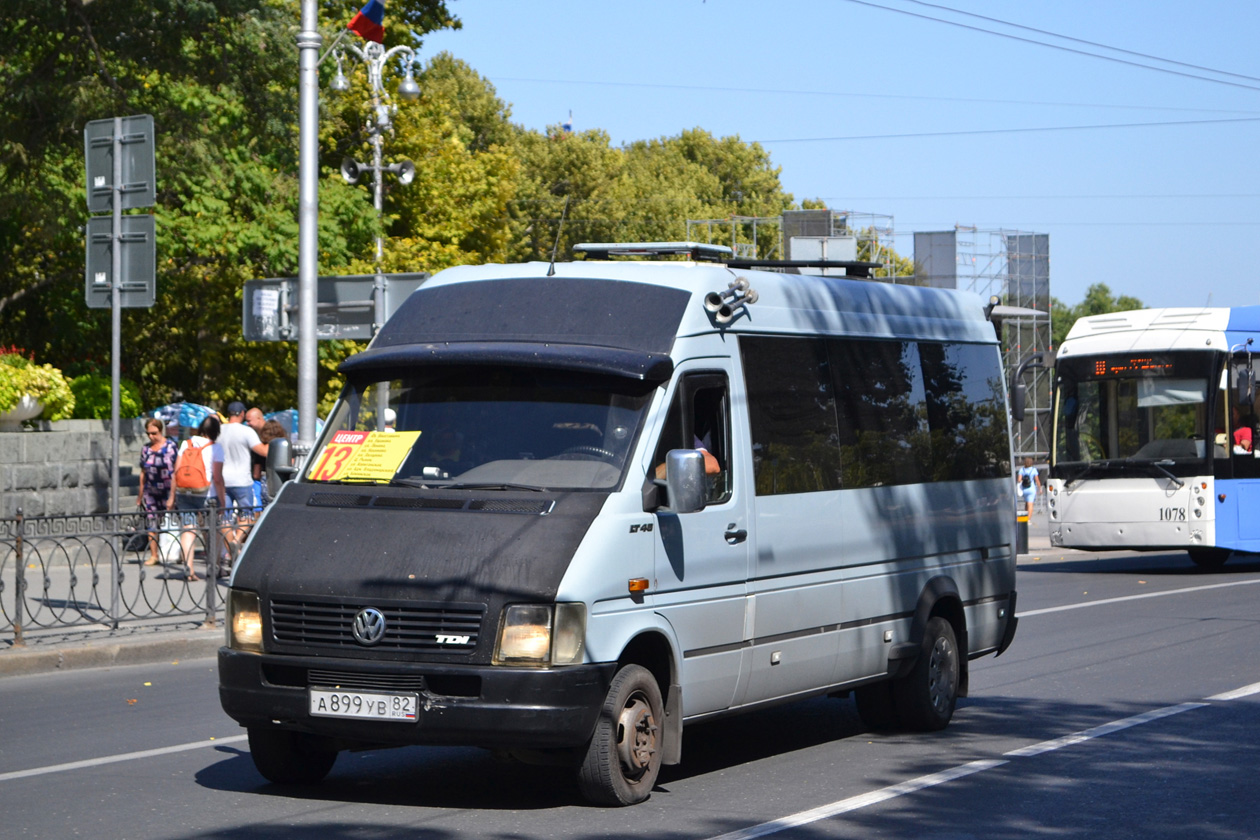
854,803
1103,601
112,759
1105,729
1245,691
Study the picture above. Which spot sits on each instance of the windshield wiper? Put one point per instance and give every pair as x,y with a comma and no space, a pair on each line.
1162,466
1127,463
491,485
422,483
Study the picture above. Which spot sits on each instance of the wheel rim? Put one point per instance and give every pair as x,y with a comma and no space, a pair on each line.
636,737
942,675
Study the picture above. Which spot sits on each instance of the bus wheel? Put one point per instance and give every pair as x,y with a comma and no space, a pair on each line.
926,696
290,758
624,755
1209,558
876,707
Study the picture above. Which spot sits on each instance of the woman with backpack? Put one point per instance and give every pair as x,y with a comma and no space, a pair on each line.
1028,482
198,473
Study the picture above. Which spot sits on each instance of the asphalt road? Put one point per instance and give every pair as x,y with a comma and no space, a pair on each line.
1129,706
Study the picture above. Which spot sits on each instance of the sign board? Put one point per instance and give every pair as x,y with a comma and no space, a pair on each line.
137,281
346,305
832,248
139,185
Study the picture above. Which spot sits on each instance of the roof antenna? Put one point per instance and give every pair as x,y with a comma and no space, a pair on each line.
551,269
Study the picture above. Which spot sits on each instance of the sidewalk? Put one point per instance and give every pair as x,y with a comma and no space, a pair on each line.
169,640
133,644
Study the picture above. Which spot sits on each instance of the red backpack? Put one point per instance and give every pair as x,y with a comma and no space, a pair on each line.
190,469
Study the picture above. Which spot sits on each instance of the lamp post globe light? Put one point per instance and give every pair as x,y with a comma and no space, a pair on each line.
376,58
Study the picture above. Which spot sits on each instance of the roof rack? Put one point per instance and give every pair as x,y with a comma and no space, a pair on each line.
698,251
852,268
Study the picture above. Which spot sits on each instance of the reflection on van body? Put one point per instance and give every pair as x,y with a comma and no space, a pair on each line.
604,510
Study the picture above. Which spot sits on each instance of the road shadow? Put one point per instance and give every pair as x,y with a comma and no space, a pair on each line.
1162,563
1176,777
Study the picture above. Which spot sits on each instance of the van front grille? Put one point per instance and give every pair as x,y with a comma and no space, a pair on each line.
416,628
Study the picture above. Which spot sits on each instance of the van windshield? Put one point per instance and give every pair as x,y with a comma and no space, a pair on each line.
482,427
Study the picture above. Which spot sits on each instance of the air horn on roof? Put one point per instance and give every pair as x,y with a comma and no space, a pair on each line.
724,307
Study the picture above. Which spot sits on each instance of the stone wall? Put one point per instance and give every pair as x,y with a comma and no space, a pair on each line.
63,468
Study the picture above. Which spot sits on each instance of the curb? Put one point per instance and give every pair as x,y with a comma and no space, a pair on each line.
25,662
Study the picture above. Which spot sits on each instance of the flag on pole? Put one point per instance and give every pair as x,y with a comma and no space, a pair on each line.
369,21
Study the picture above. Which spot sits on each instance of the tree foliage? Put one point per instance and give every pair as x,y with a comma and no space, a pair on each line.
220,79
1099,300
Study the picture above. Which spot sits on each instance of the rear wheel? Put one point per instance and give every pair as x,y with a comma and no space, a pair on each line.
623,758
1209,558
925,698
290,758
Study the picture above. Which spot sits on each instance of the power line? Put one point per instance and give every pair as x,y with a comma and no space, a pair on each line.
1051,46
977,131
1083,41
1121,196
848,94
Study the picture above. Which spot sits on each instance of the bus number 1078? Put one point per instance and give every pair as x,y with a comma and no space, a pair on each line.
1172,514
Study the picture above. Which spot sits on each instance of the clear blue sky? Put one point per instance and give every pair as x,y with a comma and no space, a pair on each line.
1165,213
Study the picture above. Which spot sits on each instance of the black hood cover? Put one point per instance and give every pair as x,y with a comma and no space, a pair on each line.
368,546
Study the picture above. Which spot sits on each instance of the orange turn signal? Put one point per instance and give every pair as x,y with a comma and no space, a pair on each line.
637,584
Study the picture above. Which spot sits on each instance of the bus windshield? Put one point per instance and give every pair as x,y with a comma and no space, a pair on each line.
1145,413
496,428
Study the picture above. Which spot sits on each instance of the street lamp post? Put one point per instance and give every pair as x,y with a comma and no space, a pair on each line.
375,57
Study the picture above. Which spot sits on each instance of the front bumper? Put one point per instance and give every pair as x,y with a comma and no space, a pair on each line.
481,706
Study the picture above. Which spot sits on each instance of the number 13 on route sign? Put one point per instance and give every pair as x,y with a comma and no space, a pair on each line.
336,456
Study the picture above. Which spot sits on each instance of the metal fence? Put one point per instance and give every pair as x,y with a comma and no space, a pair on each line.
59,572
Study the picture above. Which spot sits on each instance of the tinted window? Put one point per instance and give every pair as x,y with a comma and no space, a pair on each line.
792,412
884,435
966,411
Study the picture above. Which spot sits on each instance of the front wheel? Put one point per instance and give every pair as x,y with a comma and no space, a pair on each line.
623,758
926,697
290,758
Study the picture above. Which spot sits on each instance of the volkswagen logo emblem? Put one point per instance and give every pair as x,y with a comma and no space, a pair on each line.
369,626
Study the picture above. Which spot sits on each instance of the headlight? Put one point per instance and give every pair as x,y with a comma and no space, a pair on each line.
244,621
540,635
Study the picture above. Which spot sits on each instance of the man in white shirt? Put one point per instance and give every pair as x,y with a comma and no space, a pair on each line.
238,441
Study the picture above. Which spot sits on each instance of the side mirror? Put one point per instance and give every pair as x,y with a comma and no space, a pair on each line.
1019,399
1245,394
684,477
279,465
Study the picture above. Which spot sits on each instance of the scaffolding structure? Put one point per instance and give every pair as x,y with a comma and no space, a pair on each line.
1015,267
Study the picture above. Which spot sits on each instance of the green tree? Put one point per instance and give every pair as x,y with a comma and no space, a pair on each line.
1099,300
219,77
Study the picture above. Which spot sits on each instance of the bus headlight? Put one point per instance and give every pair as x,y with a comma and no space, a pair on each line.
541,635
244,621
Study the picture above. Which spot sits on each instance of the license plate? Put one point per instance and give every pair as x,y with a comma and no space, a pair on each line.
366,705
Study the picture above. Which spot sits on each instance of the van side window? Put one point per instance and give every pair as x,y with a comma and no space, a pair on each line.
966,411
883,420
792,412
839,413
700,418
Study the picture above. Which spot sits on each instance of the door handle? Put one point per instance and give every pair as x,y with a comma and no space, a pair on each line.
735,537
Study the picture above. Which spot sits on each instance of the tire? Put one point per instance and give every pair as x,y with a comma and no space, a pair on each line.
623,757
925,698
290,758
876,707
1209,558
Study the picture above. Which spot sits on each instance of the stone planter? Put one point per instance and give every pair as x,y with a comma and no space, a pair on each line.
28,408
